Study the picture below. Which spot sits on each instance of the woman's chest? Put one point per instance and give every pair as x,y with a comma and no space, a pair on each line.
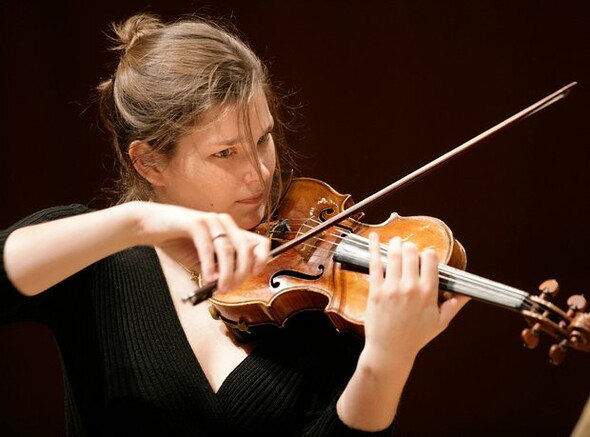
214,347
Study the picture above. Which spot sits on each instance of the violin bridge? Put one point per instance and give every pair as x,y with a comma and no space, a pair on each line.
307,249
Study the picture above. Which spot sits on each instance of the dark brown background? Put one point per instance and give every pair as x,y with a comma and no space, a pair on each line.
384,87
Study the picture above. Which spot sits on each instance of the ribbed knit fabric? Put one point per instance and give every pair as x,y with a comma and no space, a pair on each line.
129,369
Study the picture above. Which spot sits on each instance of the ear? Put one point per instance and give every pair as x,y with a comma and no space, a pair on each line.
147,162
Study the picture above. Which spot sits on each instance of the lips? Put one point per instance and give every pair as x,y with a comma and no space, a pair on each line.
252,200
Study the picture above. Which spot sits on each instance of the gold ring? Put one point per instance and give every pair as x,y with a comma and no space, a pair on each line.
220,235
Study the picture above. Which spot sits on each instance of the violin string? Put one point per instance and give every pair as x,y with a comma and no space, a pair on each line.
489,291
483,286
478,283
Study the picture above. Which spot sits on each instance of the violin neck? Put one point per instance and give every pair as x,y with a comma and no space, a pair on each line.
479,288
353,250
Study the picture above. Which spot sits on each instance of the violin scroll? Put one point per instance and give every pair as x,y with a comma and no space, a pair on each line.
571,328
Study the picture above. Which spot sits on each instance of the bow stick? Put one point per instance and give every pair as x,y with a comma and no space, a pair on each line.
207,290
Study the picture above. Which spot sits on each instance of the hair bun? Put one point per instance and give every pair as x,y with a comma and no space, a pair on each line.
129,31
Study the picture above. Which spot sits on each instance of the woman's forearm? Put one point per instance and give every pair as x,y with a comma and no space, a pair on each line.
39,256
370,400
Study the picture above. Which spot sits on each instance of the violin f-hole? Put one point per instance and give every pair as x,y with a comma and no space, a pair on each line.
275,281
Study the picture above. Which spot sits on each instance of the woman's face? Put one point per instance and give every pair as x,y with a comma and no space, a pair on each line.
214,169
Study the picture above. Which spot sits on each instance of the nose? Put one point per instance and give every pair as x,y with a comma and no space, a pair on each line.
255,171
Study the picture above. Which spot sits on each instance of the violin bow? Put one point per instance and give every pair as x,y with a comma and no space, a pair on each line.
207,290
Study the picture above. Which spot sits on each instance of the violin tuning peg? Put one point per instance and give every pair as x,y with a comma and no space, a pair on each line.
549,288
557,353
577,302
530,337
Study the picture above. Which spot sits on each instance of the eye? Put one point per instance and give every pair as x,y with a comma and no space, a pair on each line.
265,138
225,153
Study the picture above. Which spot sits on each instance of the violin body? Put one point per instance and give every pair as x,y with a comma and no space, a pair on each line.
322,264
308,276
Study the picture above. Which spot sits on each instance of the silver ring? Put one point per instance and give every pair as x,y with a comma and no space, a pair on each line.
220,235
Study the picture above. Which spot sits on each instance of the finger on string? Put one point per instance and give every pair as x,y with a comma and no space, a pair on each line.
429,273
375,262
410,269
394,261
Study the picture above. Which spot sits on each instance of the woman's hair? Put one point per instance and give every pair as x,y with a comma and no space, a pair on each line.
169,75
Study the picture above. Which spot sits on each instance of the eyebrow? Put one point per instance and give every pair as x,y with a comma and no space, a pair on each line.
236,140
231,142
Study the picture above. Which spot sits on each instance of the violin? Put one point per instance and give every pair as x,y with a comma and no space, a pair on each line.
320,261
329,272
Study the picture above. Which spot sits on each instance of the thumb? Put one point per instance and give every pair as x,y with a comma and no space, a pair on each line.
451,307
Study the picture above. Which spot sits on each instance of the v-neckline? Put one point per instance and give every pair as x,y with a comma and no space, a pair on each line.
187,350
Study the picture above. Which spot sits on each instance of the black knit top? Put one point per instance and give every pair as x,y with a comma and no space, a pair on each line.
129,369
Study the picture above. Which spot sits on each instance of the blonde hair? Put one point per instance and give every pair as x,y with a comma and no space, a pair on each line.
169,75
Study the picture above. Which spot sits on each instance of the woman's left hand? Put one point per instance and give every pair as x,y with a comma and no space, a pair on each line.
403,314
403,311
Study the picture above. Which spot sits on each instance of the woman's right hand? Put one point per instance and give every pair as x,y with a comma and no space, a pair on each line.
209,242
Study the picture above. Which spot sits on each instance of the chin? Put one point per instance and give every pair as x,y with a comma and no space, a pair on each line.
250,221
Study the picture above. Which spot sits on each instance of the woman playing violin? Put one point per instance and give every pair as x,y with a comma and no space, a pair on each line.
195,127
